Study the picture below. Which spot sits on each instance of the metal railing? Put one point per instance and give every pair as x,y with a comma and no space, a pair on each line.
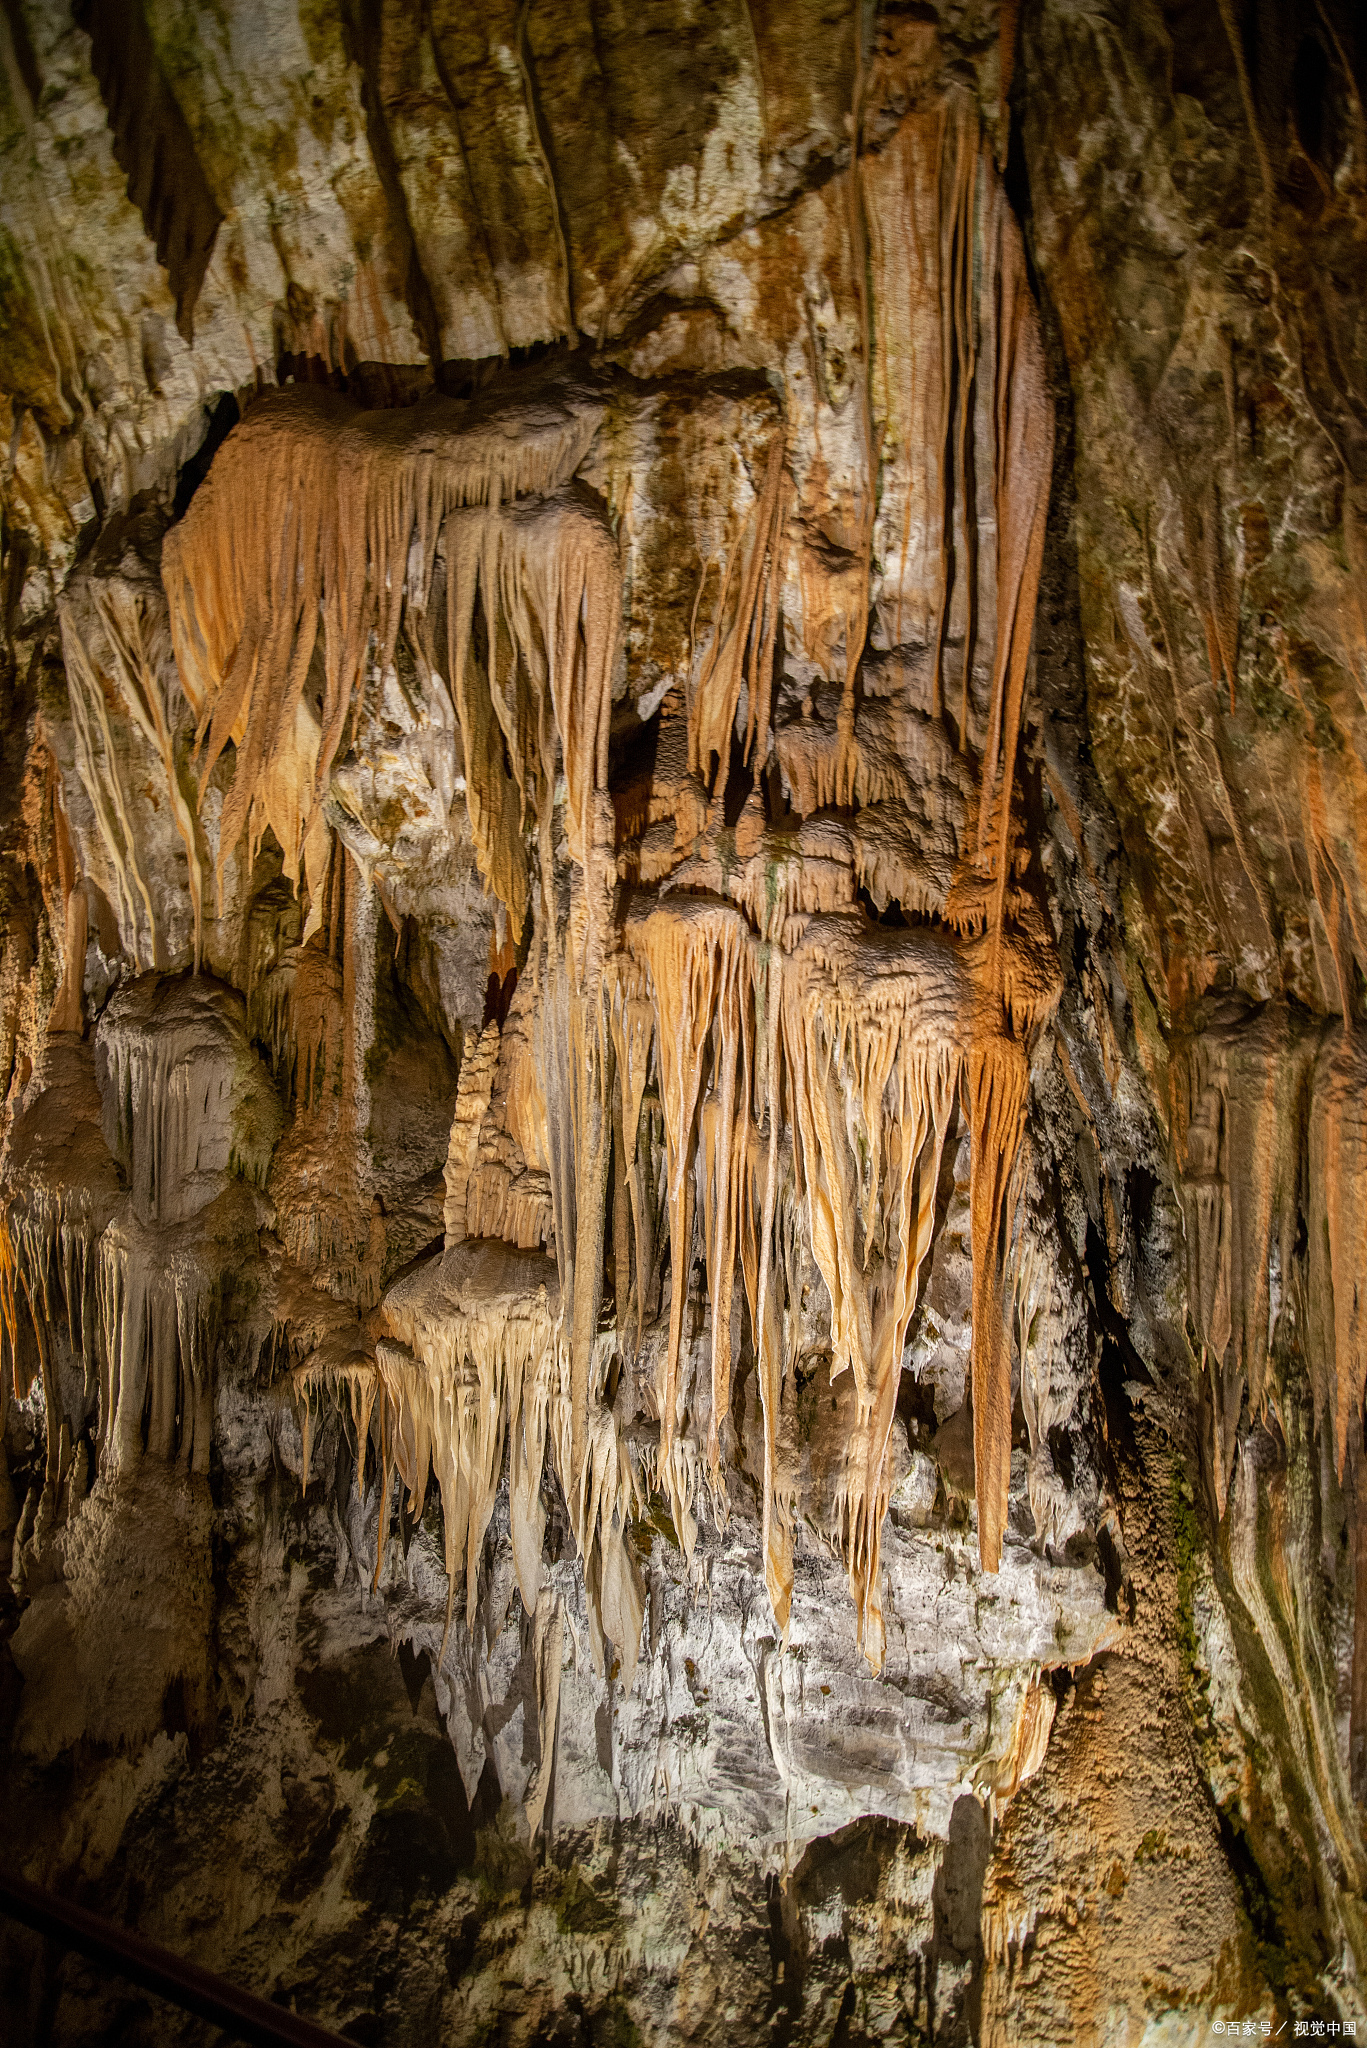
239,2013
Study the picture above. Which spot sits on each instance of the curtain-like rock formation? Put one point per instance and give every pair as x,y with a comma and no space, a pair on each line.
680,1012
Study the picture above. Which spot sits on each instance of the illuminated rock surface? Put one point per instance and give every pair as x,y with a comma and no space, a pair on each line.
683,846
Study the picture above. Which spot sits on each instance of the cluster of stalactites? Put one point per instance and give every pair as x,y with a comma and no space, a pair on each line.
138,1320
860,1043
1247,1161
475,1370
808,1067
321,534
126,1211
158,1319
739,653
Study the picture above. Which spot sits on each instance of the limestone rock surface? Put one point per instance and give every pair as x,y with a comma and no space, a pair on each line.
683,1167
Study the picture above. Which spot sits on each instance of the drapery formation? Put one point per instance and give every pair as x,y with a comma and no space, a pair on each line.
321,534
750,1018
1268,1124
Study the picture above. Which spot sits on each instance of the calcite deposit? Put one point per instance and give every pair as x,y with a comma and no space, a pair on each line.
683,1160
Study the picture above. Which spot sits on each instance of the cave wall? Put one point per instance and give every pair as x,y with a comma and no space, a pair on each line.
683,1181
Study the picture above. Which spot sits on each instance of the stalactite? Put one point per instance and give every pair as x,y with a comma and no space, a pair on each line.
543,575
959,344
740,652
1023,449
103,783
866,483
1357,1679
536,123
1269,1141
864,1044
110,643
10,1284
68,1005
996,1086
1217,598
153,146
296,1013
136,1261
67,1192
185,1102
318,516
507,1192
548,1625
751,988
156,1322
696,952
632,1018
869,1031
1338,1236
699,666
454,1371
1043,1404
475,1359
959,228
356,1377
769,1238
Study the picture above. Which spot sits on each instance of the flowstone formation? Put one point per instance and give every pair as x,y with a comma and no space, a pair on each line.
683,1170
